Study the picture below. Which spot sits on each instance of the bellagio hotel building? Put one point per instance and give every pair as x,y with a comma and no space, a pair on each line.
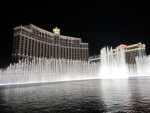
31,41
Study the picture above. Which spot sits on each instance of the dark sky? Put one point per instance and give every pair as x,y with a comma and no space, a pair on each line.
100,24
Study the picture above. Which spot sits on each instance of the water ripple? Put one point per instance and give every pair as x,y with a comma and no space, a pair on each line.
93,96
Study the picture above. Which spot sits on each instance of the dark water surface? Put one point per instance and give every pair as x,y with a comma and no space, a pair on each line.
93,96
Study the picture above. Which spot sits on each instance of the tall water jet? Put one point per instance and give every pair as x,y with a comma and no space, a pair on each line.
143,65
48,70
113,65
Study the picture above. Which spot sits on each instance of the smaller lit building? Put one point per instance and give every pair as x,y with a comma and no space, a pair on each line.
131,51
94,58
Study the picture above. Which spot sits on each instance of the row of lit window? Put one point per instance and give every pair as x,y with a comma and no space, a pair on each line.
29,48
48,38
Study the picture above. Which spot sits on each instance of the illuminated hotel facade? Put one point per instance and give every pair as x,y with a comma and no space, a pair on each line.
131,51
31,41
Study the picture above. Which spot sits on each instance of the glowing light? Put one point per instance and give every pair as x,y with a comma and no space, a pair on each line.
123,46
56,31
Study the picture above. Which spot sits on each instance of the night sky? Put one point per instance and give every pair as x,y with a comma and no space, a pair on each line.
99,24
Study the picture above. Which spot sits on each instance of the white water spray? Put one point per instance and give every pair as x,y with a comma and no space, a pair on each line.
48,70
111,66
143,66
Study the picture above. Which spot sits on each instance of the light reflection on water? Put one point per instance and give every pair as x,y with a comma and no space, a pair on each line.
93,96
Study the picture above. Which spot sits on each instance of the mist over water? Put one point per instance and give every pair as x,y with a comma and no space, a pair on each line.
113,66
143,66
48,70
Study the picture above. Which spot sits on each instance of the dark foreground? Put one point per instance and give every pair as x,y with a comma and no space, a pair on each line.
93,96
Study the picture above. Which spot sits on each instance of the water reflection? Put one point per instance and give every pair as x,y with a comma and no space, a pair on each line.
116,95
77,97
140,95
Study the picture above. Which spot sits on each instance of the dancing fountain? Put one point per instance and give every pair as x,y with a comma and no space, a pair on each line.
143,66
112,66
47,70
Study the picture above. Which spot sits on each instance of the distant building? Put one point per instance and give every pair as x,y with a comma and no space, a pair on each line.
131,51
31,41
94,58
